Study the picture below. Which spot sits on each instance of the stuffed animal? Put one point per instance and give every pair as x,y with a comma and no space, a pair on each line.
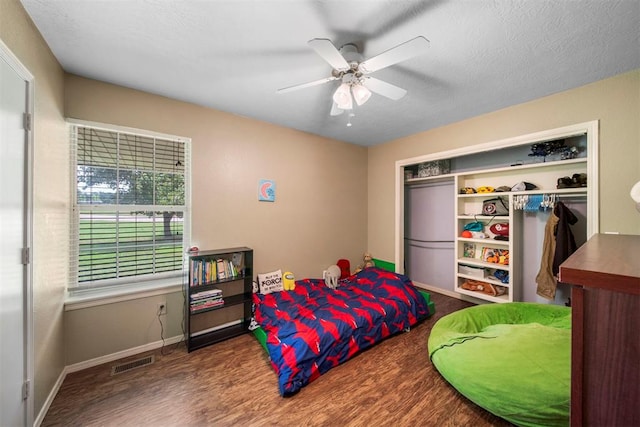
331,277
288,281
368,262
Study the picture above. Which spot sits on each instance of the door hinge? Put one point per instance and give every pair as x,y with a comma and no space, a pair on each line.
26,118
26,389
26,256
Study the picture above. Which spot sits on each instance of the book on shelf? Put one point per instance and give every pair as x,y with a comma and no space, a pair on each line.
222,272
236,260
203,305
203,301
203,272
469,250
209,271
206,294
206,299
226,269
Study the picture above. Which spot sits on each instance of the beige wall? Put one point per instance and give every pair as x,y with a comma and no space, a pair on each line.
51,195
319,214
318,217
104,330
615,102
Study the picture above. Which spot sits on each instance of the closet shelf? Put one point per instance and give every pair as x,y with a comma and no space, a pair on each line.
517,169
501,298
432,179
564,191
495,218
488,242
485,279
478,263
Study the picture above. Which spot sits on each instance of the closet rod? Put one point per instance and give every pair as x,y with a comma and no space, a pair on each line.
561,195
548,193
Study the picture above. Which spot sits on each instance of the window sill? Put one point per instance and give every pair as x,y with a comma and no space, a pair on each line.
96,297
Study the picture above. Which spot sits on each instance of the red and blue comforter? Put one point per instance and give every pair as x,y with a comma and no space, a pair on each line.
314,328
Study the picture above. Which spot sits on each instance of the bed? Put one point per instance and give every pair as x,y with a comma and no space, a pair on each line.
313,328
512,359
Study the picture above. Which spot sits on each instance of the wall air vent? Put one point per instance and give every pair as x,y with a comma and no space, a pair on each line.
127,366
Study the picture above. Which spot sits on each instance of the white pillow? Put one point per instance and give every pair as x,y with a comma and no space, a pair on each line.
270,282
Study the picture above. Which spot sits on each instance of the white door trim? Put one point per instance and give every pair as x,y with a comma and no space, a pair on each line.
23,73
591,129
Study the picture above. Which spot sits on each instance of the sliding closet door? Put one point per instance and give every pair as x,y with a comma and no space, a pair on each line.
429,233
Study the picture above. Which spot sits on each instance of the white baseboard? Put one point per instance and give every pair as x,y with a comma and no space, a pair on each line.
121,354
451,294
52,395
95,362
438,290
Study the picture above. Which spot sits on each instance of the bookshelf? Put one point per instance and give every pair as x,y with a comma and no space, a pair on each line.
218,295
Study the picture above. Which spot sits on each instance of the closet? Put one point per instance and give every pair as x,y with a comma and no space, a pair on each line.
435,210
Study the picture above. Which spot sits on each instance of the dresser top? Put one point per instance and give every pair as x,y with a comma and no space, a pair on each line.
608,261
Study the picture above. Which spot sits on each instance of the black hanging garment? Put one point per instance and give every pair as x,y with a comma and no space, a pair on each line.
559,244
565,242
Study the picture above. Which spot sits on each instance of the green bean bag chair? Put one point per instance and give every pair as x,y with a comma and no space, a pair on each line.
511,359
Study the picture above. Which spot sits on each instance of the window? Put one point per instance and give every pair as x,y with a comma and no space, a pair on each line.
131,208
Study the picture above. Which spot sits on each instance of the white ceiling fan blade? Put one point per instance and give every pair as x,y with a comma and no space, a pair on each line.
383,88
303,85
402,52
329,53
335,111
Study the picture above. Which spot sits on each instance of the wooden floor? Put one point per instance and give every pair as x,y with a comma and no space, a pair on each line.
232,384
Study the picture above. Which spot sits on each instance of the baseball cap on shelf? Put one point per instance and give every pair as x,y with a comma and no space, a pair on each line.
486,189
500,229
522,186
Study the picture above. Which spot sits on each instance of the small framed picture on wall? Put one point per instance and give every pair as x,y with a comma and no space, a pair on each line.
266,190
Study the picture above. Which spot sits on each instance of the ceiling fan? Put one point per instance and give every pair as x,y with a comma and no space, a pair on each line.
349,68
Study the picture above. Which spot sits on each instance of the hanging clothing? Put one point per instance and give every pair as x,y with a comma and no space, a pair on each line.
546,281
559,243
565,241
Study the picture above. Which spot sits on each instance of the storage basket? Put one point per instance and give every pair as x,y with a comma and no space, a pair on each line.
436,167
471,271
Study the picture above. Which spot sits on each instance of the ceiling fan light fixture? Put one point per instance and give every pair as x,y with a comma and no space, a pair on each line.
335,111
342,97
347,66
360,93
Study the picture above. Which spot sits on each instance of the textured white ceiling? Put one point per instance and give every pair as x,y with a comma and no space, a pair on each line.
233,55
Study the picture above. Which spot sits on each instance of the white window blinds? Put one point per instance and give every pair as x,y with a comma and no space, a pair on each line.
131,206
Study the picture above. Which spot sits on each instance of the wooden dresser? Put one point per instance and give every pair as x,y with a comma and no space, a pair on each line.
605,337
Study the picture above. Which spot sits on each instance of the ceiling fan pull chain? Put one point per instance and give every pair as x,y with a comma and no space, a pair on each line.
349,124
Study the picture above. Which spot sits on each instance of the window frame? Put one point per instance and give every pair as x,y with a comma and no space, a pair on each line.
123,285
